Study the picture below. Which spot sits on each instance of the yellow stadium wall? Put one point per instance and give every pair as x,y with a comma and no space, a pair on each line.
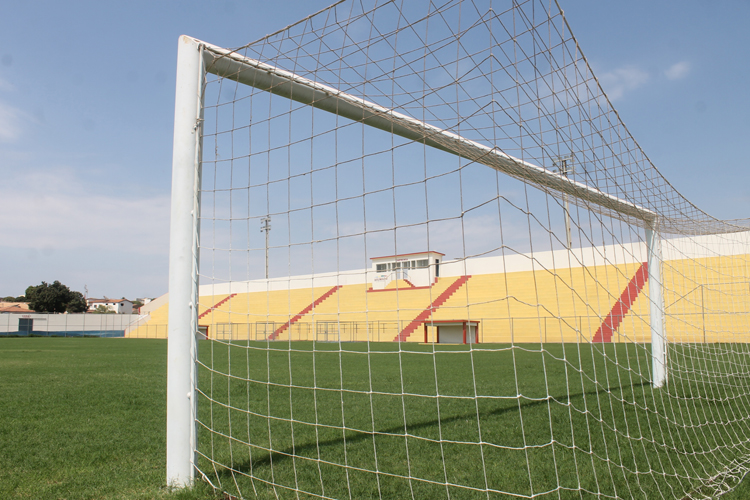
706,299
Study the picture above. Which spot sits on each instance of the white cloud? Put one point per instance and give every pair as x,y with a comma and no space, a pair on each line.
55,211
677,71
621,80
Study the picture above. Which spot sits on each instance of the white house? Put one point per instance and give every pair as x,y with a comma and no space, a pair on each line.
118,306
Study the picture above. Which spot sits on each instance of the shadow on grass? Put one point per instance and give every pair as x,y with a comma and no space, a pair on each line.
278,456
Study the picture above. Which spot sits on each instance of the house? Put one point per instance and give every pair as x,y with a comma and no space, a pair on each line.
15,307
118,306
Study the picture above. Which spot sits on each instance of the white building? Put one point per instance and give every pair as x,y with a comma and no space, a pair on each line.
415,269
117,306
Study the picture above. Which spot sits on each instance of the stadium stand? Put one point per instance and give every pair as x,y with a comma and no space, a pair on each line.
517,298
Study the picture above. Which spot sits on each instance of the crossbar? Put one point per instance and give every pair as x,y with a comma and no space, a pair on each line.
228,64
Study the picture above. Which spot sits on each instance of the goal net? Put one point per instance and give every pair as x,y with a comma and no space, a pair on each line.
415,253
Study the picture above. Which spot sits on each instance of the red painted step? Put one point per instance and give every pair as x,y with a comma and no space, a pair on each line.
304,311
622,306
217,305
422,317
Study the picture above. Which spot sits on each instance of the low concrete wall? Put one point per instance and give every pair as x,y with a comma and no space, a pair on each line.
70,325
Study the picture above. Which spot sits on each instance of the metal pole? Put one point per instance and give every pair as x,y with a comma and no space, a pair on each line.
703,315
567,221
266,254
183,265
564,171
656,308
266,226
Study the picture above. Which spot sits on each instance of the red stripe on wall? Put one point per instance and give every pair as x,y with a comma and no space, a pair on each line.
622,306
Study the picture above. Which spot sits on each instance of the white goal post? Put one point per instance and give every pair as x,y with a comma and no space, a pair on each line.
195,58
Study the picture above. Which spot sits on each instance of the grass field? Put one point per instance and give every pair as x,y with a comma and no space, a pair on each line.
85,418
587,419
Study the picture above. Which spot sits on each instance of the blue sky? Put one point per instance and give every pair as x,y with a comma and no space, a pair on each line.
87,100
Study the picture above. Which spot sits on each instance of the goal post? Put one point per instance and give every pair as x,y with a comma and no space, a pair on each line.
195,58
183,265
343,187
656,307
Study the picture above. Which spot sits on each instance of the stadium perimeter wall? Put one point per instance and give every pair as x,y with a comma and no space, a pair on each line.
66,325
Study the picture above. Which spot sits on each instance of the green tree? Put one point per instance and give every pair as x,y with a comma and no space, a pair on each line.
77,303
11,298
55,298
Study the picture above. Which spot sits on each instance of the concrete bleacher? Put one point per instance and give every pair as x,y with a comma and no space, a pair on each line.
154,324
541,306
706,298
157,316
377,315
399,284
258,315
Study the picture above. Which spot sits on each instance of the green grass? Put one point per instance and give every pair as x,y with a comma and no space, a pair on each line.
85,418
587,419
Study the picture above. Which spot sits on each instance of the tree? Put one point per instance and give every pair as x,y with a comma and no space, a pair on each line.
55,298
11,298
77,303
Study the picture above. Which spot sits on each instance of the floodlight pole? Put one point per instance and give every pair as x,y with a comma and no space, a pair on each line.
265,226
183,264
565,170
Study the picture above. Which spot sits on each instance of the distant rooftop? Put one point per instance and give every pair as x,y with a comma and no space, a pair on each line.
15,307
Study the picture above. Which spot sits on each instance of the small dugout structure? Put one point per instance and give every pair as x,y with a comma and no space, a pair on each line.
458,331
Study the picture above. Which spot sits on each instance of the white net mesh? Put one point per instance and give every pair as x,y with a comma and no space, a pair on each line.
394,306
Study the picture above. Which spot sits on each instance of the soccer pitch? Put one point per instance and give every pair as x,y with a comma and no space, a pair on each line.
85,418
322,418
